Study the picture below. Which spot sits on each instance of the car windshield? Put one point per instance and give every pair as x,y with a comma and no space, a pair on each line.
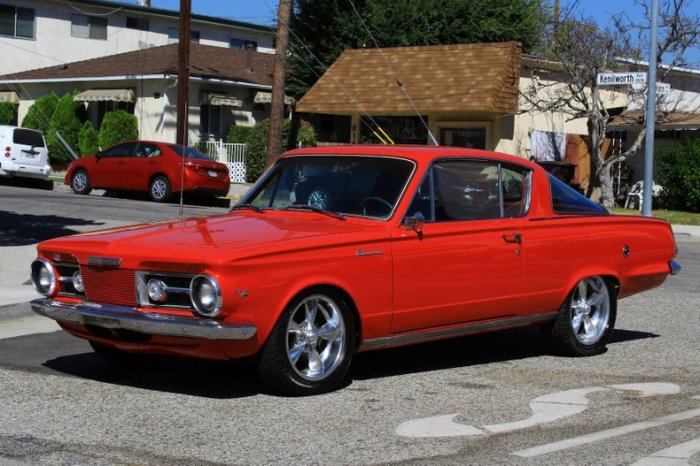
352,185
190,152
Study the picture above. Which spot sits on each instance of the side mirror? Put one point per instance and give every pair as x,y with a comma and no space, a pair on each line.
98,154
415,223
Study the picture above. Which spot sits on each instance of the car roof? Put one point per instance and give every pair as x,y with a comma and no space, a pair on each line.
412,152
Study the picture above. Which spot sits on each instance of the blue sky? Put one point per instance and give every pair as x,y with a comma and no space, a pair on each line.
264,11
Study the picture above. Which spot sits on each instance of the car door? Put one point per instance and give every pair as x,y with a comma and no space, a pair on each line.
139,168
465,263
110,164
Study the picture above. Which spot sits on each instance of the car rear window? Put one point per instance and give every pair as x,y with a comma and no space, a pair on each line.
190,152
28,137
566,200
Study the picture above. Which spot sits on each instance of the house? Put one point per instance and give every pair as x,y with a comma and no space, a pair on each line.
42,33
466,95
227,86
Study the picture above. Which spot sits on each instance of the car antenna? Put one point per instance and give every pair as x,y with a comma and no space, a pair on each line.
399,82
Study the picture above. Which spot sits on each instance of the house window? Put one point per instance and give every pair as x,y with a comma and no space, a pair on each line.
17,22
243,44
174,36
474,138
140,24
89,27
210,119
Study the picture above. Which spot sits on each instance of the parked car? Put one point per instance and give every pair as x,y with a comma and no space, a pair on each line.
149,166
458,242
25,153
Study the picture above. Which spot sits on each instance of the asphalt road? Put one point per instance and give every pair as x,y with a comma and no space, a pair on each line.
490,399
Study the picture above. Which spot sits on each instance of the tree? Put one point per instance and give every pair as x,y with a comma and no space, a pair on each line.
116,127
66,120
8,113
322,29
40,112
88,139
579,50
679,174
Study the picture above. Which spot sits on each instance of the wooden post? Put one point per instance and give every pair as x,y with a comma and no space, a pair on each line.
279,70
183,72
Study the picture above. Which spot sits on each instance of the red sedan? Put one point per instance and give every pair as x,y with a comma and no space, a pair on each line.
155,167
402,245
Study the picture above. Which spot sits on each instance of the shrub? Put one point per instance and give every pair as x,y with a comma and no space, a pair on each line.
256,145
40,112
66,120
116,127
8,114
238,134
678,171
88,139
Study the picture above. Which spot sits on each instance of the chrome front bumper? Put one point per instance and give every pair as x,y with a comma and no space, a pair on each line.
117,317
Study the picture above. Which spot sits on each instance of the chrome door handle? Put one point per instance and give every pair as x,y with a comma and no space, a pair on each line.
514,238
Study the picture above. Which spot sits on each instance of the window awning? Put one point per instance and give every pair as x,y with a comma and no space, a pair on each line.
106,95
9,96
220,100
266,98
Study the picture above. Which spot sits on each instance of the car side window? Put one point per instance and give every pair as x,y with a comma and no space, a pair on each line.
120,150
455,190
147,150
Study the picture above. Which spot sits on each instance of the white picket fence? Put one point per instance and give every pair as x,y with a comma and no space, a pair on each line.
230,154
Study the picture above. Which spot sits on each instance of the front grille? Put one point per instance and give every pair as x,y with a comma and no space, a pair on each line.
109,286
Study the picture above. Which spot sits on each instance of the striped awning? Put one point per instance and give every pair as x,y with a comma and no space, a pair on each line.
266,98
9,96
106,95
220,100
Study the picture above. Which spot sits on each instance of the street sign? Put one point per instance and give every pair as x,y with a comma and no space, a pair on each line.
663,88
621,79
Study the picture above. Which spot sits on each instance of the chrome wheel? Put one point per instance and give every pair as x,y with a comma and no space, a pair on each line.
160,189
319,198
590,310
80,182
316,337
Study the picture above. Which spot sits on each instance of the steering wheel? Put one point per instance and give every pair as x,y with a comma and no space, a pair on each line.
363,203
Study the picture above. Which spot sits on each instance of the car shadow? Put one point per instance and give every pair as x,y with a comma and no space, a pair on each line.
32,183
238,378
25,229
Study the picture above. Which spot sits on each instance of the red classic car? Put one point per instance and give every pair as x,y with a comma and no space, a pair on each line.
412,244
149,166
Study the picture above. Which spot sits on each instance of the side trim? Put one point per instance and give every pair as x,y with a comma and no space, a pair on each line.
116,317
452,332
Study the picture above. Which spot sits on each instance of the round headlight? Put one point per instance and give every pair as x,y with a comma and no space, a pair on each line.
156,290
78,282
44,277
205,295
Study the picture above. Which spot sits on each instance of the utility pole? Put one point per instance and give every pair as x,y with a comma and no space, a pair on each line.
279,71
648,192
183,72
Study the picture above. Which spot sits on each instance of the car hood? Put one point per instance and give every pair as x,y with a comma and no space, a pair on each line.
217,238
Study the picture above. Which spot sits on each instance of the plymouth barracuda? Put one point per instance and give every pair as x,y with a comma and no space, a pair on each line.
407,245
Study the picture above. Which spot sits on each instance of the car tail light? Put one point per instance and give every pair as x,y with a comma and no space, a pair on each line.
7,152
44,277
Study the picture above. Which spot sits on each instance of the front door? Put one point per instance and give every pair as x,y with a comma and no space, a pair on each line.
110,165
466,263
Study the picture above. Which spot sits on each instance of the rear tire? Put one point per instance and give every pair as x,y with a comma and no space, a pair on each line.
80,183
160,189
586,319
310,349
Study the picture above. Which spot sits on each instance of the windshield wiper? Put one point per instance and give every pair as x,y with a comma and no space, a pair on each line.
247,206
311,208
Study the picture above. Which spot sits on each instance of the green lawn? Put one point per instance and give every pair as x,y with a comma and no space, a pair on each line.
673,216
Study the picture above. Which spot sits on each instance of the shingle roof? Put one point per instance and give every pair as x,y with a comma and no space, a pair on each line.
444,78
205,61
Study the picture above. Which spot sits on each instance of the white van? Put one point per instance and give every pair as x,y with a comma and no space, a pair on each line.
23,152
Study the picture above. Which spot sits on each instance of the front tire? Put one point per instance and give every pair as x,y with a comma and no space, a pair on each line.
160,189
310,349
586,319
80,183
